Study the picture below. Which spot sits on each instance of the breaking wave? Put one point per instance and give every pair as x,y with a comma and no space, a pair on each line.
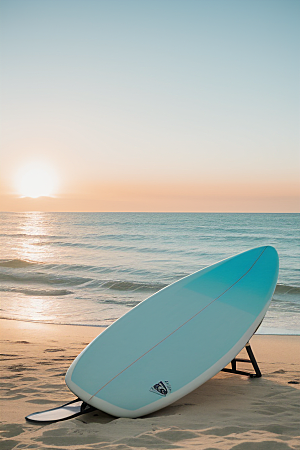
285,289
132,286
17,263
37,292
42,278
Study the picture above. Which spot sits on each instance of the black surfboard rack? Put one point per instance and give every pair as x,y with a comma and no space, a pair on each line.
251,360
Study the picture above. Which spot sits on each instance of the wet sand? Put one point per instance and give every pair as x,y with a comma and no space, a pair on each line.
228,412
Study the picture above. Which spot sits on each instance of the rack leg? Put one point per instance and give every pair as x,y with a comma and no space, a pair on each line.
251,360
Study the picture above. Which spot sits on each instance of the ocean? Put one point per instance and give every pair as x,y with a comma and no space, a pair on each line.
91,268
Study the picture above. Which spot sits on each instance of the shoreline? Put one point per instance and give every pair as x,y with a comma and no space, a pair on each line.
267,333
227,411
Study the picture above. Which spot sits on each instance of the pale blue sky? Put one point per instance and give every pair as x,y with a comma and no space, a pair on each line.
152,91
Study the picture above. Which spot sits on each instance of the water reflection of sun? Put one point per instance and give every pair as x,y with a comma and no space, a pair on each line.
36,308
34,230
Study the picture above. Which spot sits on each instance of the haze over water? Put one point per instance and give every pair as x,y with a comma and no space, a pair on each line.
91,268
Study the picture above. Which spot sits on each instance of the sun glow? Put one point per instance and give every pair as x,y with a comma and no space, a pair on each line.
36,180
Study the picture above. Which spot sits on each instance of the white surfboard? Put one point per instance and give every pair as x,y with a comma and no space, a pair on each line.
178,338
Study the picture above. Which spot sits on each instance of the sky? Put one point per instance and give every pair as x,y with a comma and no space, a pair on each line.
150,105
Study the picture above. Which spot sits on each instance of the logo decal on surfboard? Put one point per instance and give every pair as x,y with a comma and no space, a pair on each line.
162,388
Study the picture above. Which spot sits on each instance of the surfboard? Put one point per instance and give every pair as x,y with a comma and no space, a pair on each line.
178,338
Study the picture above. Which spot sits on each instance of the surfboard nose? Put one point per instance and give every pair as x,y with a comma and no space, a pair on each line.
266,251
266,268
271,252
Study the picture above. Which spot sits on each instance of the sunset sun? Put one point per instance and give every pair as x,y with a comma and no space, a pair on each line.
36,180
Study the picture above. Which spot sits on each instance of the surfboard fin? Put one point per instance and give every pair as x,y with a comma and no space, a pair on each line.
251,360
70,410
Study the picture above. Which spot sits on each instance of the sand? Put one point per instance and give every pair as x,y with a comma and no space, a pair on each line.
228,412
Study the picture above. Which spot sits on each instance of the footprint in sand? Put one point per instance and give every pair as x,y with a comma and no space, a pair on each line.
17,368
29,379
54,350
11,430
264,445
42,401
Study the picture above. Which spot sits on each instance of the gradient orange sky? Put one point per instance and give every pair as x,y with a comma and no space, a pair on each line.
151,106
